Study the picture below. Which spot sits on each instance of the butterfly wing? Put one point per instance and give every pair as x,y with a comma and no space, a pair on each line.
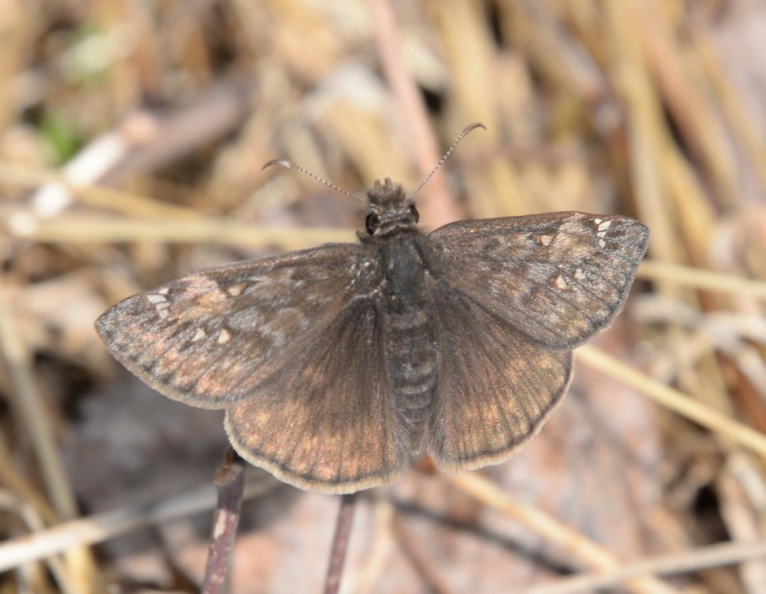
512,297
326,422
557,277
209,338
291,347
495,386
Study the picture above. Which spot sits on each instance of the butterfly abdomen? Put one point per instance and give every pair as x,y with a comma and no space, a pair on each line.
411,367
408,335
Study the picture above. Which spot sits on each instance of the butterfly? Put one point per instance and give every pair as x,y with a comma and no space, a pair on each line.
336,365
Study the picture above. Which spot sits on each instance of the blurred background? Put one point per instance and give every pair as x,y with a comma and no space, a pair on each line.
132,135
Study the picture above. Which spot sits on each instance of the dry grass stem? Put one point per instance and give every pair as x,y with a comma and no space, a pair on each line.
33,412
551,530
676,401
99,197
97,229
690,561
701,279
102,527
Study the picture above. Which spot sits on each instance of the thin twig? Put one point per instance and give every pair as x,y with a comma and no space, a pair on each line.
340,543
688,561
216,111
147,141
230,481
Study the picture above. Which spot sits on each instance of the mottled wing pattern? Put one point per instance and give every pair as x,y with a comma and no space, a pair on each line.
495,386
327,421
211,337
557,277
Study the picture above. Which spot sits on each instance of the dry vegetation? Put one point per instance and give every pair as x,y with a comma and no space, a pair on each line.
131,139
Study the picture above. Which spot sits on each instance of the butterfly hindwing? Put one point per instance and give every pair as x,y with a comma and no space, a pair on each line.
495,386
211,337
327,422
558,277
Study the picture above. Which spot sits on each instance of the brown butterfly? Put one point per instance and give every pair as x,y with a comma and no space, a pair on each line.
337,364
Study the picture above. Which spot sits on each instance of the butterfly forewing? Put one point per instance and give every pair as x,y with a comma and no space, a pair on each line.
557,277
210,338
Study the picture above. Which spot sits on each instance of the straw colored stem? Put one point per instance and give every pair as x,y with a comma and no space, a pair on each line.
701,279
31,517
94,229
688,561
553,531
33,419
93,195
675,400
102,527
32,412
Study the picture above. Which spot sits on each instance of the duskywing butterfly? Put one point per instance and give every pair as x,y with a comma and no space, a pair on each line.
336,364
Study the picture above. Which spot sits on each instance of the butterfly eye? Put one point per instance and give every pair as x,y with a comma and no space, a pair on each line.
414,213
372,223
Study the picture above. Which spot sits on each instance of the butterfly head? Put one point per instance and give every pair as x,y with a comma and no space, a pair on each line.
391,210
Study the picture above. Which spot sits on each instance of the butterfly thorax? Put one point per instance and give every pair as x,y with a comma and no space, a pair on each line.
408,329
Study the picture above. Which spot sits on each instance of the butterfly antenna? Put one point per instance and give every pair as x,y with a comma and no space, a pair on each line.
290,165
452,147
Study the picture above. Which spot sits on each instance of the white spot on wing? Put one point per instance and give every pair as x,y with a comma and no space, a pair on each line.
579,274
164,291
545,240
601,243
236,290
224,336
160,303
560,283
604,226
199,335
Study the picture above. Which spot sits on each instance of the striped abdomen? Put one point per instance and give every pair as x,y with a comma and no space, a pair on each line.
411,366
